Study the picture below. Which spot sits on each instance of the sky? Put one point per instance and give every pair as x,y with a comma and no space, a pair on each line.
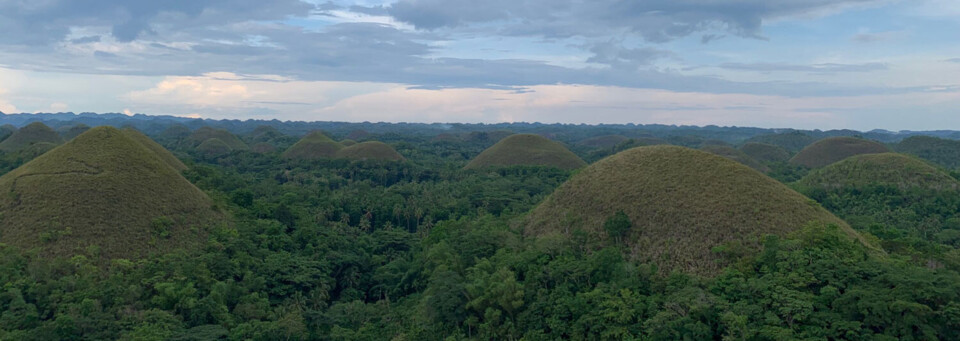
812,64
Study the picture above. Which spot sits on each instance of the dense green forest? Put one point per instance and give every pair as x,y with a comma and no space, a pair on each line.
423,249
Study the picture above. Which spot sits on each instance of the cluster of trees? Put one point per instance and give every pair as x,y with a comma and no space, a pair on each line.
341,250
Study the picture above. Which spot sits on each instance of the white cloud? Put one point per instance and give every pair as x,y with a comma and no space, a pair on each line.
6,106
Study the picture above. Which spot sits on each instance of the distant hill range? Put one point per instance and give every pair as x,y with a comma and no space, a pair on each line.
567,133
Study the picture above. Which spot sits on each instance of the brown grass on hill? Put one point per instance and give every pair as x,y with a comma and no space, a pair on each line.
214,147
370,150
163,153
833,149
735,155
206,133
103,190
681,204
527,149
32,133
314,146
889,169
765,152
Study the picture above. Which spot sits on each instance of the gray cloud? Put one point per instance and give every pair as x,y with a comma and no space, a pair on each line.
45,22
654,20
615,55
953,60
815,68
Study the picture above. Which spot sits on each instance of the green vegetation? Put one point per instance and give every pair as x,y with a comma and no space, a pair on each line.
793,141
912,206
682,203
885,169
606,141
214,147
314,146
163,153
527,149
263,147
68,133
348,142
370,150
31,134
206,133
102,190
765,152
334,249
735,155
833,149
6,130
943,152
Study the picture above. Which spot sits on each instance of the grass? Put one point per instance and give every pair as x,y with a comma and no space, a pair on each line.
68,133
792,141
263,148
370,150
105,190
205,133
940,151
348,142
735,155
682,203
529,150
214,147
606,141
32,133
314,146
6,130
833,149
163,153
765,152
887,169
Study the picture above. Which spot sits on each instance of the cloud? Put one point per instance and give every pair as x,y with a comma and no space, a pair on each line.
654,20
45,22
6,106
814,68
867,37
953,60
616,55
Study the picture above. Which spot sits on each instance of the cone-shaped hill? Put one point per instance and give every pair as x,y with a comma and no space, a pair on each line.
314,146
370,150
765,152
31,134
103,188
606,141
527,149
348,142
680,202
206,133
833,149
163,153
940,151
735,155
68,133
214,147
6,130
886,169
792,141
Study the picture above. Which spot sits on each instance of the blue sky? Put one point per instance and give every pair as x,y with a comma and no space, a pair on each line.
860,64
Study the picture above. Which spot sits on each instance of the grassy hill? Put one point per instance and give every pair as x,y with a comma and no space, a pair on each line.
263,148
163,153
833,149
370,150
886,169
32,133
314,146
765,152
680,203
606,141
527,149
6,130
792,141
348,142
735,155
214,147
940,151
68,133
205,133
105,190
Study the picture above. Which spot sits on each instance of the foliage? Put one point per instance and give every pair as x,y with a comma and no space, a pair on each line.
34,133
943,152
527,149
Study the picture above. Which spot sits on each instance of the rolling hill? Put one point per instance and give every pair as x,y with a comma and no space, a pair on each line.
526,149
833,149
370,150
31,134
314,146
765,152
680,202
